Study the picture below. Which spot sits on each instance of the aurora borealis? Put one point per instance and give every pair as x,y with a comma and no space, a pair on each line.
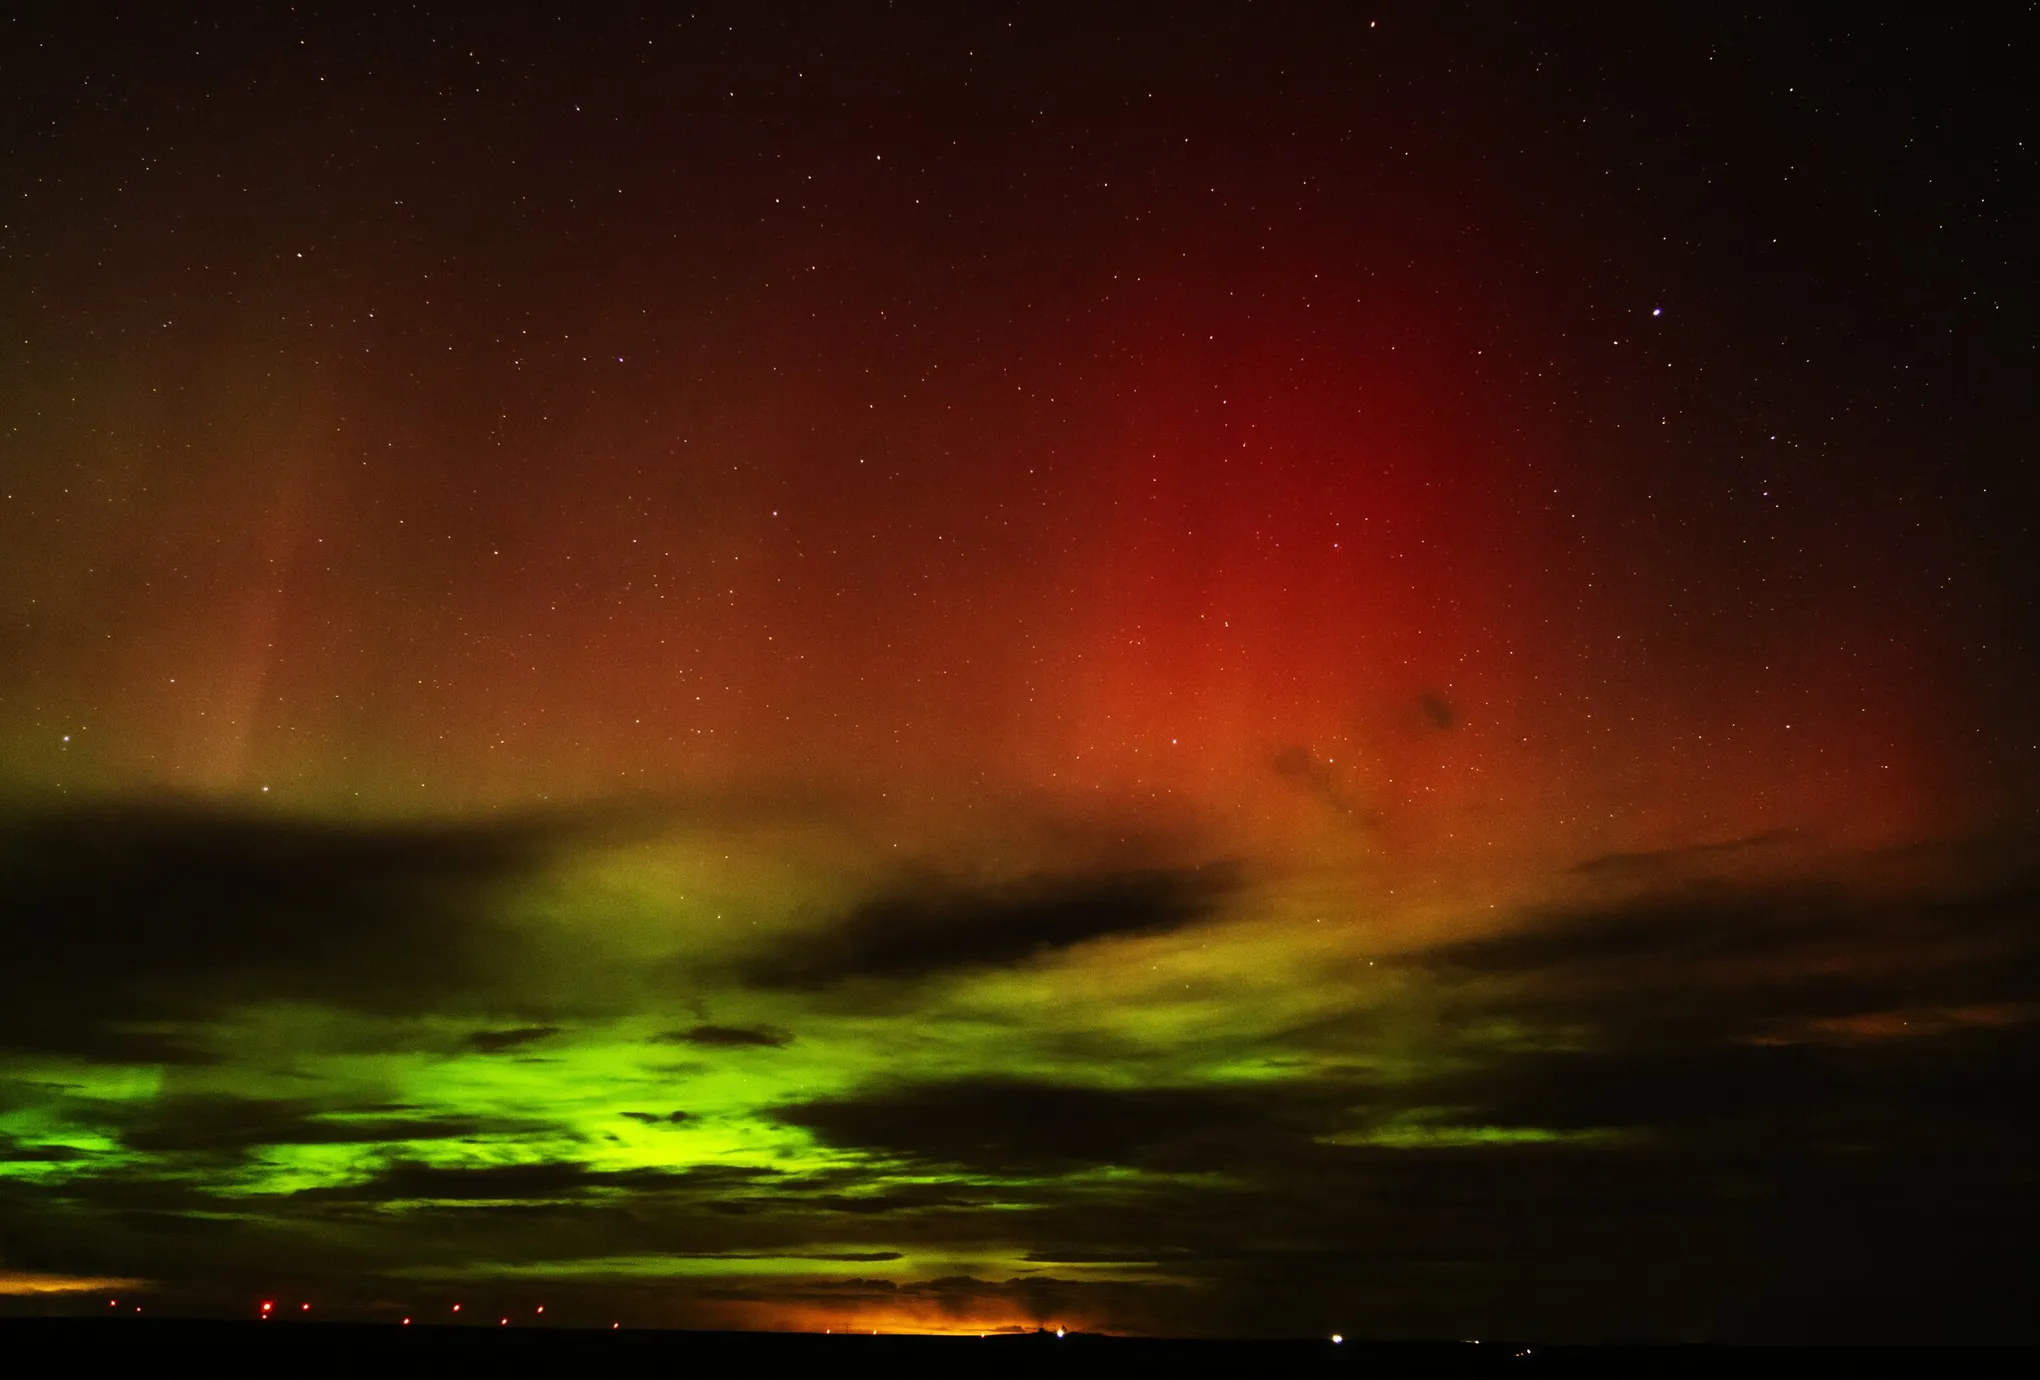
1236,671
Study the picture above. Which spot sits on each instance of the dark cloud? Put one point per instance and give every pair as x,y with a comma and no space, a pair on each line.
1714,963
941,926
884,1204
1719,1017
1302,767
851,1190
1663,863
76,1031
1017,1126
217,1123
1437,710
117,918
1891,1094
496,1041
729,1036
660,1118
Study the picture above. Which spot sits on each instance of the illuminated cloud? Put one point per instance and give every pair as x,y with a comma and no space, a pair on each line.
936,927
32,1284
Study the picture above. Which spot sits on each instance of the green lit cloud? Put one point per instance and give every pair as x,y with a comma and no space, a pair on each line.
525,1056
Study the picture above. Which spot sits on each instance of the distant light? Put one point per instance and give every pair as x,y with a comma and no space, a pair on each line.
614,1326
113,1303
1336,1339
504,1323
456,1308
1657,311
407,1322
267,1306
304,1308
541,1308
1058,1332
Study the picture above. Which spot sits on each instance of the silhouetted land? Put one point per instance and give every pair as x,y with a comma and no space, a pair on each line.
110,1347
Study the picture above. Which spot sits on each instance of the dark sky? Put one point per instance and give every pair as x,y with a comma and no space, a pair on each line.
1249,669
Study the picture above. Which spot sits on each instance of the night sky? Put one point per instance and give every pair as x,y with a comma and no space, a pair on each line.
1248,670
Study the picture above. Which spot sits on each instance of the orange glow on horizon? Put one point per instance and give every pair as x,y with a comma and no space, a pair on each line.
968,1317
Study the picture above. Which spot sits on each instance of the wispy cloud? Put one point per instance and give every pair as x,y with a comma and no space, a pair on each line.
927,926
